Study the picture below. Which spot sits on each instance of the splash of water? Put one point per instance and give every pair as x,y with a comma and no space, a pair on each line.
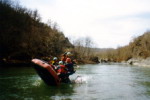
81,79
37,82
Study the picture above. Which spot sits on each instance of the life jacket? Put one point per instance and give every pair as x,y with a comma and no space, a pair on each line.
61,69
54,62
63,58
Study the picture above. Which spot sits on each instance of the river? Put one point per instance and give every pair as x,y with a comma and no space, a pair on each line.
99,82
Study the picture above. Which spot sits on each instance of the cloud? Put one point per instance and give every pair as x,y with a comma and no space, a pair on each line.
109,22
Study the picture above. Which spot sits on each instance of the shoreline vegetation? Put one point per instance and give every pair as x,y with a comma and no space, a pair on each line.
23,36
137,52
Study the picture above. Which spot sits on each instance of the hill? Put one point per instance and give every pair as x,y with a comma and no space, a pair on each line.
139,47
23,36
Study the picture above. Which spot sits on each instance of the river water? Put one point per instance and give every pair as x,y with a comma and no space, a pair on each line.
98,82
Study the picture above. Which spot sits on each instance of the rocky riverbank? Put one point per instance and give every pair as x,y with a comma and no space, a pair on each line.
139,62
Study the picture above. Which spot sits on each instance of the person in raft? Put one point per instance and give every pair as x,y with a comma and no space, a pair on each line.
64,57
62,72
54,63
69,64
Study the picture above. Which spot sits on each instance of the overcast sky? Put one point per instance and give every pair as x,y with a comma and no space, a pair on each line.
109,23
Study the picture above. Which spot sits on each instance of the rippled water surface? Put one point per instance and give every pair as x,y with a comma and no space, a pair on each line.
98,82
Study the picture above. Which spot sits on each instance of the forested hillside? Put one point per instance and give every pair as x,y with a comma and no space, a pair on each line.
139,47
23,36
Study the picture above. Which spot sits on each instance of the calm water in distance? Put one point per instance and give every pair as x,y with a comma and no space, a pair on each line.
98,82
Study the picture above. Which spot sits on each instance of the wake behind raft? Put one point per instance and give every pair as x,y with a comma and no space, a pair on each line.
46,72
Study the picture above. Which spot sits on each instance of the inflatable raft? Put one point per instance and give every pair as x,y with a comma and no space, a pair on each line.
46,72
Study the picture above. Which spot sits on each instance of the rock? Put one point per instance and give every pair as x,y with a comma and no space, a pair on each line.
139,61
95,59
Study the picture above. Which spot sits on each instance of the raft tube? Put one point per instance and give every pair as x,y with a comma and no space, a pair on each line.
46,72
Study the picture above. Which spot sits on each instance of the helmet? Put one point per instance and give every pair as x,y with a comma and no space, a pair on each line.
68,53
60,62
65,53
55,58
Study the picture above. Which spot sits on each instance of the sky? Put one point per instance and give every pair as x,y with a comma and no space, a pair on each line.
109,23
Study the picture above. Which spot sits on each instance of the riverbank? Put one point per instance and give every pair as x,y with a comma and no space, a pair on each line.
19,63
92,60
139,62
